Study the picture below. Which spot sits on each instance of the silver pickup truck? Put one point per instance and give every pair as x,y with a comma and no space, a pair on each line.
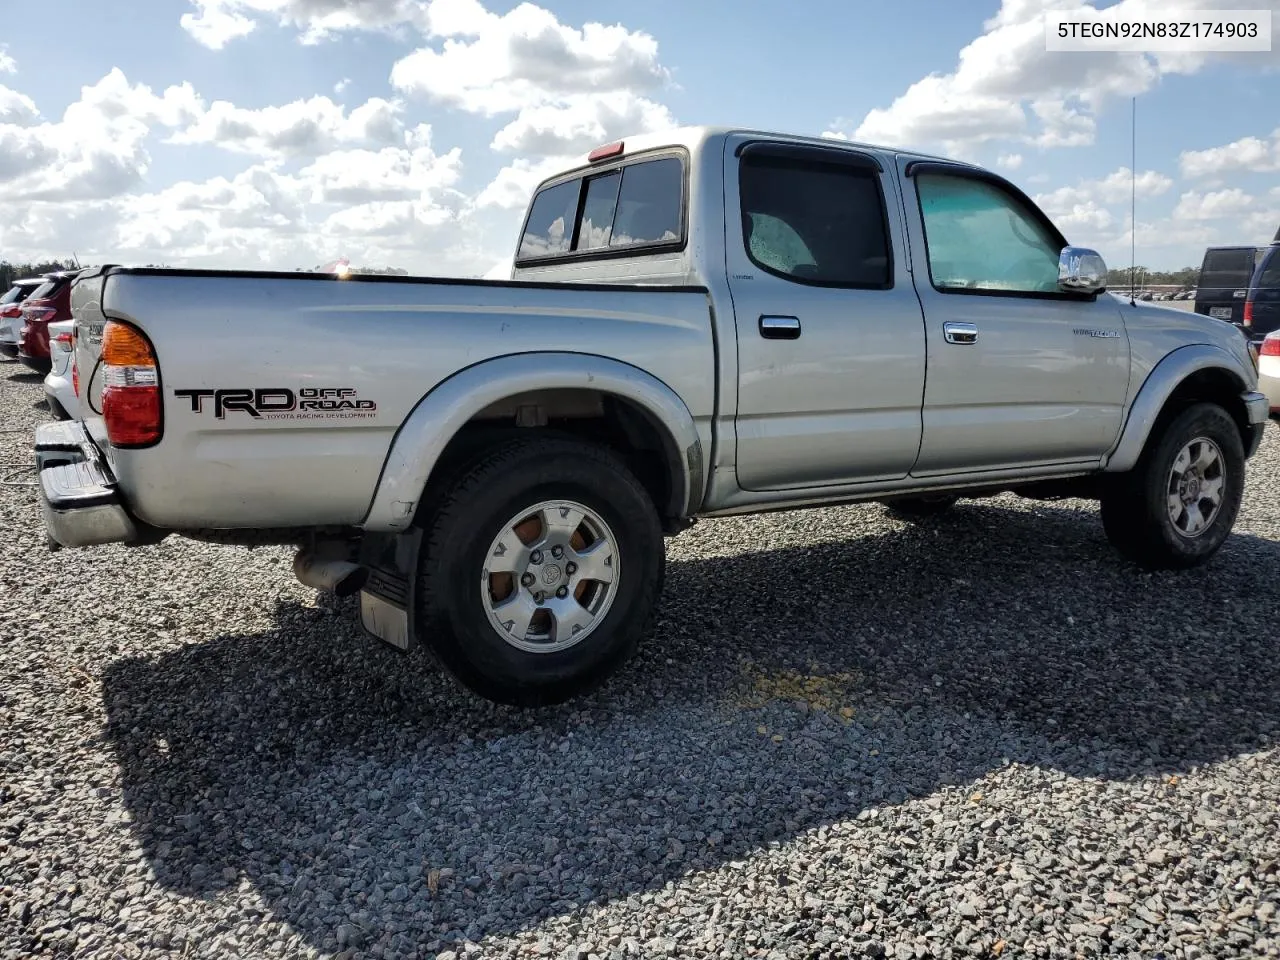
702,323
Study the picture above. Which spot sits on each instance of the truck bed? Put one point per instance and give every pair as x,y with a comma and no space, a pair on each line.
282,392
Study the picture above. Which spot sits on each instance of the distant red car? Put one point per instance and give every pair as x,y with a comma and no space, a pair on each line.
11,313
48,302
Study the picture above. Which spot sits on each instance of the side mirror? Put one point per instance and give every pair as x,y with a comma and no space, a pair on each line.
1081,270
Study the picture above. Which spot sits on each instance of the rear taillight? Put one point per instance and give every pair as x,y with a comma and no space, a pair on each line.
39,314
10,311
75,378
1270,347
1248,313
131,408
64,339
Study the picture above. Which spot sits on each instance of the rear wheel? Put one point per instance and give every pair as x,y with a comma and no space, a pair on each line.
922,507
1177,506
542,568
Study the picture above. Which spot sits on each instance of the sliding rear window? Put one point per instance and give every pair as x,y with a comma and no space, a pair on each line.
634,208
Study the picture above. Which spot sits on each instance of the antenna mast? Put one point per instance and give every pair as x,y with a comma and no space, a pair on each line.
1133,200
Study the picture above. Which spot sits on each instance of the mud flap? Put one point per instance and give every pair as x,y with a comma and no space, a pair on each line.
389,596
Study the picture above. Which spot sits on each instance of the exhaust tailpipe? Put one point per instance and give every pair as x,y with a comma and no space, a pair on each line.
340,577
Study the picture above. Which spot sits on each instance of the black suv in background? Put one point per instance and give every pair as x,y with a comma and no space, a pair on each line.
1224,281
1261,312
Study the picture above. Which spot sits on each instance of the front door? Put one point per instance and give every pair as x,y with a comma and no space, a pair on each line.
1021,374
830,337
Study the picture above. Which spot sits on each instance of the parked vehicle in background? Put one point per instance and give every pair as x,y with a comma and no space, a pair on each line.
11,313
1269,371
48,303
60,384
700,323
1262,303
1224,282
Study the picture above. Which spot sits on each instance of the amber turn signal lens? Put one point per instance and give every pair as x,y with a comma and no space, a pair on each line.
123,346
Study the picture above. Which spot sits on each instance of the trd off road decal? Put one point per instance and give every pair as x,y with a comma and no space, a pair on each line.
281,403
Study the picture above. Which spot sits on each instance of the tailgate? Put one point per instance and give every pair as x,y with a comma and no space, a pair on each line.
86,308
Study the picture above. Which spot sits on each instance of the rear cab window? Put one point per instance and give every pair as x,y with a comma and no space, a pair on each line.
634,207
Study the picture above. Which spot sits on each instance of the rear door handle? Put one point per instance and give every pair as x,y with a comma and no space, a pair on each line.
957,332
779,328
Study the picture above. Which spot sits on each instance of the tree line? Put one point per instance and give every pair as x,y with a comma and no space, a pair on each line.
1119,276
10,272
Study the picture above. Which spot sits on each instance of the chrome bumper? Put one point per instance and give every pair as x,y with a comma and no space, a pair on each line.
79,500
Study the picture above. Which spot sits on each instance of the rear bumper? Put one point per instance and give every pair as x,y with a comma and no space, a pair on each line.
79,499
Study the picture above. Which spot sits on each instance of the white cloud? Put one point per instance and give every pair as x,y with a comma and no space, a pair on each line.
1113,188
513,186
16,108
1212,206
1247,155
1009,161
577,123
341,85
522,59
500,270
97,149
215,23
1007,86
301,128
7,63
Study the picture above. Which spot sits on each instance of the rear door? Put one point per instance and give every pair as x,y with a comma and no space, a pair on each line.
1264,295
1224,282
830,333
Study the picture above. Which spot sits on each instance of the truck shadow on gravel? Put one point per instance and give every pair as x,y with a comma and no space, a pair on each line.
337,775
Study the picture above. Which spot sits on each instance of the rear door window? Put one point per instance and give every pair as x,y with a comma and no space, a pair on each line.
12,295
46,289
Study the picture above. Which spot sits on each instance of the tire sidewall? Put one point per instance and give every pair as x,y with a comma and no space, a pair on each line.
474,650
1211,422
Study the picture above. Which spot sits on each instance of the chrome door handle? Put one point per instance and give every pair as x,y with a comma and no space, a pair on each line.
779,328
956,332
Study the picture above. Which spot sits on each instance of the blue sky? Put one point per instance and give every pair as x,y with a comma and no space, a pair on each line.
408,133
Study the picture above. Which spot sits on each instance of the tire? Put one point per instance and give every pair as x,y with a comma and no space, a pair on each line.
1137,507
458,609
921,508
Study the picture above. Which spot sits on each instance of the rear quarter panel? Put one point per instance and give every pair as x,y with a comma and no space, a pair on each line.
231,346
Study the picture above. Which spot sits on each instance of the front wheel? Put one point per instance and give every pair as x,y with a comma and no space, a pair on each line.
1177,506
542,569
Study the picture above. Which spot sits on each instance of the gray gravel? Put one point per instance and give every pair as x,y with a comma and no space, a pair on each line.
849,737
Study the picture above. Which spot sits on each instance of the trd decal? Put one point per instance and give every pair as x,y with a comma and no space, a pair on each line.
282,403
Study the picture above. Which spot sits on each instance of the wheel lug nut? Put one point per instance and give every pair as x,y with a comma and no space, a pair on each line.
527,580
535,557
557,552
571,568
562,592
539,597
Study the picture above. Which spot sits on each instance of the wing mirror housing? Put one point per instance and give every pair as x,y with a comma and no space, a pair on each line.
1081,270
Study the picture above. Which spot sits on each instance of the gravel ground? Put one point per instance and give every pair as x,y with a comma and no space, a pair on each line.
849,737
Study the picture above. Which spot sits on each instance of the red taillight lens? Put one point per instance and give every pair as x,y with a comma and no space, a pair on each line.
75,378
1270,347
39,314
9,311
64,339
1248,313
131,408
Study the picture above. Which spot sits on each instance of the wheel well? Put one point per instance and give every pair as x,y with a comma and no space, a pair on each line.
592,415
1211,385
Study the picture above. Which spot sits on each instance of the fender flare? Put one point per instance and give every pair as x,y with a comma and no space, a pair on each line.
436,419
1164,378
